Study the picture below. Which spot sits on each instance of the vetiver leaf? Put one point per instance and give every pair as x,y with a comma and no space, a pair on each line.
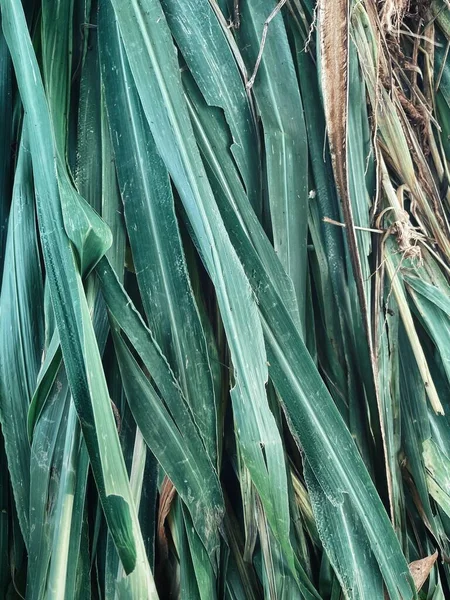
335,89
5,523
89,234
187,581
199,487
161,96
346,544
205,48
74,453
203,569
415,422
154,237
159,428
77,572
398,289
336,464
437,465
433,305
335,75
191,149
5,144
56,38
70,505
343,326
78,343
212,138
286,149
45,379
21,331
45,469
334,460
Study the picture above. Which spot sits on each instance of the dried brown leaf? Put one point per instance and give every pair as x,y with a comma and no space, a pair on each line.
420,569
166,497
334,22
334,49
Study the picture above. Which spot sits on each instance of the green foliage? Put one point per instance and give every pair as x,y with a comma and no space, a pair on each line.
224,334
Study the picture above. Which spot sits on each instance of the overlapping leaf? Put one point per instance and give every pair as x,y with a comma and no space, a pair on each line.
78,343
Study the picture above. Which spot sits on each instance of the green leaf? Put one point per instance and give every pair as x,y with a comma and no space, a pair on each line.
6,139
316,424
155,241
79,347
84,227
21,331
209,57
346,544
62,535
286,150
433,306
163,103
45,469
160,421
437,466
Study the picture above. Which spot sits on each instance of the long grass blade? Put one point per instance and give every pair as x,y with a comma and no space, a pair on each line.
72,316
163,102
